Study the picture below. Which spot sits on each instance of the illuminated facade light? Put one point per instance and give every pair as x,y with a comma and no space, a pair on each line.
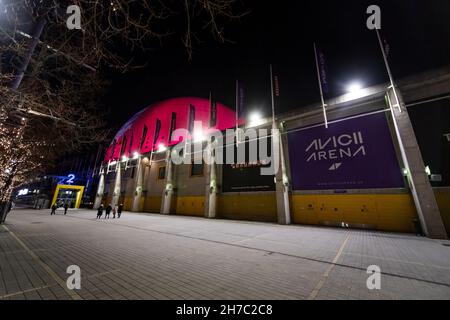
428,170
199,136
136,155
354,87
124,158
23,192
162,147
255,119
355,91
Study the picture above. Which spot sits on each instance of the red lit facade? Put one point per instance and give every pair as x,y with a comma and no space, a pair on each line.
137,135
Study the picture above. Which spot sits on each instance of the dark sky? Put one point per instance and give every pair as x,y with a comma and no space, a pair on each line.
282,33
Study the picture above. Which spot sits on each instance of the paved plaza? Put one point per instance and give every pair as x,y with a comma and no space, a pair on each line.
145,256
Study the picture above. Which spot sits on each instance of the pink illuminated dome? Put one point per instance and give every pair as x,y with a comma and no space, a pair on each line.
138,134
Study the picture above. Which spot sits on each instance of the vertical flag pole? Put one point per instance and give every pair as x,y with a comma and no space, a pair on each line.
237,111
210,109
188,133
273,98
151,157
283,209
237,103
388,68
321,89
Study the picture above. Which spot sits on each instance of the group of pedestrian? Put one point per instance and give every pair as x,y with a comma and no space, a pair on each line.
54,207
115,210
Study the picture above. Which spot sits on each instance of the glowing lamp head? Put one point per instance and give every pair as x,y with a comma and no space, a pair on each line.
354,87
136,155
162,147
199,136
255,119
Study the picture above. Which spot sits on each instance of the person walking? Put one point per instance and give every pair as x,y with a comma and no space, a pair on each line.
100,211
54,207
119,210
108,211
66,207
114,211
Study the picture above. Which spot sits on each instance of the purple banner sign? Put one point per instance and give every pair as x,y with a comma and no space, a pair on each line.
352,154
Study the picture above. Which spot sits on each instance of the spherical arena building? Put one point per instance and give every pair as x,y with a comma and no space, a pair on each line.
351,174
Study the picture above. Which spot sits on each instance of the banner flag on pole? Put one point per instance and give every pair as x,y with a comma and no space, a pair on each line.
157,130
213,112
191,118
173,123
320,75
239,101
190,128
130,147
143,138
387,47
239,106
275,91
323,70
276,84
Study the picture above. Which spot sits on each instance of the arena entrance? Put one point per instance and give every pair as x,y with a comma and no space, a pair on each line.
68,194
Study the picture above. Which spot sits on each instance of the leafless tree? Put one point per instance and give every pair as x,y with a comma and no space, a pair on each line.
61,72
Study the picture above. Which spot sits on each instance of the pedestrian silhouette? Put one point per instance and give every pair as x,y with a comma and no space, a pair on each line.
119,210
54,207
66,207
100,211
114,212
108,211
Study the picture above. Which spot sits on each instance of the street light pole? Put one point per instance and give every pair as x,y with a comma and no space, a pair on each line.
421,190
324,106
388,69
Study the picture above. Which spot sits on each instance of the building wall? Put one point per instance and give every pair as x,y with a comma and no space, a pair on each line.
443,200
389,212
153,186
190,191
379,209
259,206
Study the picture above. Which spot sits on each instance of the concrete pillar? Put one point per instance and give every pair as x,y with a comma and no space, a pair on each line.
167,202
100,191
422,192
117,186
138,187
282,183
211,185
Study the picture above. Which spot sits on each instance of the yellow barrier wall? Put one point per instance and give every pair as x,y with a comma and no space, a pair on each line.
254,207
152,204
389,212
127,203
443,200
190,205
106,201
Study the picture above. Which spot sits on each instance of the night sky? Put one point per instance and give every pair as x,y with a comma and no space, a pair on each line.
282,33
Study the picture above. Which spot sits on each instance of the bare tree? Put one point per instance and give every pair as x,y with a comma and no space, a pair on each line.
60,71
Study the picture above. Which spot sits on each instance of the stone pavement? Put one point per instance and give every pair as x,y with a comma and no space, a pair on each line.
144,256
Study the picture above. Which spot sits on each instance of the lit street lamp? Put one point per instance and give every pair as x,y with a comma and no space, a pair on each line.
255,119
354,87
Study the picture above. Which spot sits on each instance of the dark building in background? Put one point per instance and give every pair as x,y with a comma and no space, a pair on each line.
71,181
